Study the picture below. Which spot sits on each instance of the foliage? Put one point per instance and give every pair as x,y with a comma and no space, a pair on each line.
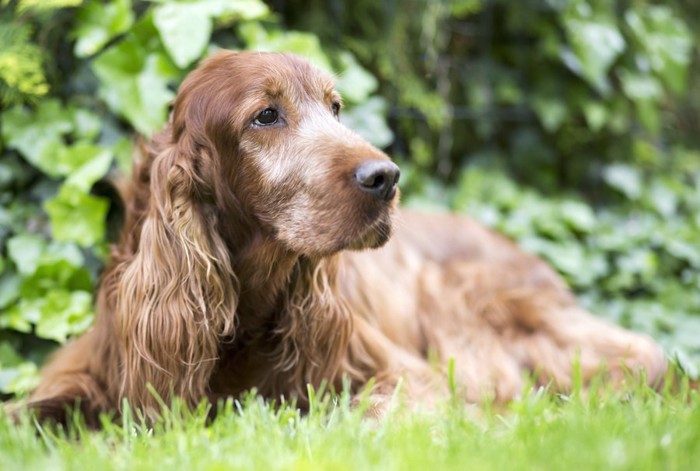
540,431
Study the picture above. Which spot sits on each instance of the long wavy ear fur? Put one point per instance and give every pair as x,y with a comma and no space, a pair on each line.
314,328
178,294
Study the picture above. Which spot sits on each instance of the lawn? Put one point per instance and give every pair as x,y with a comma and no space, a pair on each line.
604,430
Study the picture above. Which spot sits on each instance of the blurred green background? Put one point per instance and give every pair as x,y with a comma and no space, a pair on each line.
570,125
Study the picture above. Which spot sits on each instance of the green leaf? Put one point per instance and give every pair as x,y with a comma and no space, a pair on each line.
63,314
38,136
354,82
45,5
667,40
238,10
134,80
638,86
12,367
123,151
86,124
25,251
368,121
662,198
596,115
57,251
638,262
595,42
52,275
551,111
578,216
19,380
645,91
76,216
142,98
19,317
172,20
9,288
8,355
304,44
92,163
626,179
98,23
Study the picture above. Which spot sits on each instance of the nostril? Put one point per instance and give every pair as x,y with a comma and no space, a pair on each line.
376,182
378,177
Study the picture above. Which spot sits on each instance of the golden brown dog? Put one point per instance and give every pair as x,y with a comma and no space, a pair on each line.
250,258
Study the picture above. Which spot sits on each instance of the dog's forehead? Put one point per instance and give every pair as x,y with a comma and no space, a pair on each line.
285,75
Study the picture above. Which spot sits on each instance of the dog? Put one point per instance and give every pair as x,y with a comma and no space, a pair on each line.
263,249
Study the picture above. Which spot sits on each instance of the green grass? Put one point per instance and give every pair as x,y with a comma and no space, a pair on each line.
636,431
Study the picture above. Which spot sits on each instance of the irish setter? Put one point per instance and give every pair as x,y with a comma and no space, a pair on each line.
250,258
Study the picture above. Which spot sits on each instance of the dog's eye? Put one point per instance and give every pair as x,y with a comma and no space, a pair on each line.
266,117
336,108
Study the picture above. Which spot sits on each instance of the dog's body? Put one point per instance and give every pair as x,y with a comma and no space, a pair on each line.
250,258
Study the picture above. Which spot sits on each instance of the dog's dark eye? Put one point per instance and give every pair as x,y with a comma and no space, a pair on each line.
336,108
266,117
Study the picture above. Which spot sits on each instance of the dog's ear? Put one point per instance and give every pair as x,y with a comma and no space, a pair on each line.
315,328
178,294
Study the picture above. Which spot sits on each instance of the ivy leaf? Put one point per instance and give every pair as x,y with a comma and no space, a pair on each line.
76,216
39,135
94,163
172,19
238,10
667,41
64,313
595,43
86,124
98,22
25,251
20,379
196,18
20,316
304,44
645,92
354,82
123,151
551,111
8,355
9,288
134,83
578,216
47,5
596,115
368,121
13,369
625,179
52,275
640,87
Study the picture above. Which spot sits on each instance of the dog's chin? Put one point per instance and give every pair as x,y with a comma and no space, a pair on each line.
371,236
374,237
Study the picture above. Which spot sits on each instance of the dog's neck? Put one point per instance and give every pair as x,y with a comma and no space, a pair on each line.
294,299
264,270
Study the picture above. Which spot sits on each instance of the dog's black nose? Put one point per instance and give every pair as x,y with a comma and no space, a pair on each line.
378,177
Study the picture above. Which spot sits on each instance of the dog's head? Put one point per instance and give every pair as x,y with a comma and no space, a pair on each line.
269,125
